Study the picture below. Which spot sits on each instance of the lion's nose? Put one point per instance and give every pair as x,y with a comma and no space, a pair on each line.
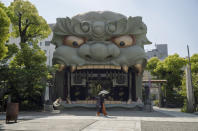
99,51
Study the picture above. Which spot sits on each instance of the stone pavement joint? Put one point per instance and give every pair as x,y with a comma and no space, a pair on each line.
114,126
88,125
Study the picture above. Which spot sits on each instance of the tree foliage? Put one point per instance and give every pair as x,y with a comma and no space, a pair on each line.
194,67
170,69
4,30
27,23
152,65
12,50
25,77
194,71
26,74
29,57
194,63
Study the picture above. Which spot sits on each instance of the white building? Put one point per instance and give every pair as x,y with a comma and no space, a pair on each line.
48,47
161,51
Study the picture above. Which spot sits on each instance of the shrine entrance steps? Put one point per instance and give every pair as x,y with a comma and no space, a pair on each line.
110,105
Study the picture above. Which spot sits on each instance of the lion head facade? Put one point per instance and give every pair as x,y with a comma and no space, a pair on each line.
100,40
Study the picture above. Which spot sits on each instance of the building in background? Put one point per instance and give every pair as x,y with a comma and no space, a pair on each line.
48,47
161,51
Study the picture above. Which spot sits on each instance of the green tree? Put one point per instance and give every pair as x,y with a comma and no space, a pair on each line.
170,69
27,23
5,71
12,50
194,63
152,65
194,71
4,30
27,72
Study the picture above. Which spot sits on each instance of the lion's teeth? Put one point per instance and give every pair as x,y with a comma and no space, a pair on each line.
139,68
72,68
99,67
125,68
61,67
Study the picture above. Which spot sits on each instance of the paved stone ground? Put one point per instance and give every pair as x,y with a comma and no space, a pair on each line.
168,126
114,125
49,125
160,120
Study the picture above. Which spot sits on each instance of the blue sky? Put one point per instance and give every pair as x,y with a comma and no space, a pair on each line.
172,22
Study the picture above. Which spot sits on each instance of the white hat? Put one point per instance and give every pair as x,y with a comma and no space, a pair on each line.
103,92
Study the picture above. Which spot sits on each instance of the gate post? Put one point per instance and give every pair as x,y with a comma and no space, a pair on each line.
130,87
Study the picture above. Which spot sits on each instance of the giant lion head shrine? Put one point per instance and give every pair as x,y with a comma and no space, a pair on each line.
96,51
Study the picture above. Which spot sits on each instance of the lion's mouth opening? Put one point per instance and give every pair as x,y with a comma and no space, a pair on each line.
99,67
123,68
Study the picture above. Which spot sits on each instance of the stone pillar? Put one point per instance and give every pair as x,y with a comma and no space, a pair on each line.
47,101
139,86
160,95
147,104
60,85
190,92
130,87
68,84
47,92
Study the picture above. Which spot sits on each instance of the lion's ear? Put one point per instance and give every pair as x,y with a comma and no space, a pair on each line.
137,28
61,29
63,26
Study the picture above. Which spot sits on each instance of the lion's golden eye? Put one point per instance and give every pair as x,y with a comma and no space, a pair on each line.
73,41
124,41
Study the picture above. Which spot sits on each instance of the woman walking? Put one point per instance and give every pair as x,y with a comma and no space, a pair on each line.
100,103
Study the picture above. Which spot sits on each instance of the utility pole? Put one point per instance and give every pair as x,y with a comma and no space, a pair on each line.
189,86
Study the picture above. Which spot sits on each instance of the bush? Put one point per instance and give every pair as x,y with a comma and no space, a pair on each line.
184,108
156,103
29,105
153,97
